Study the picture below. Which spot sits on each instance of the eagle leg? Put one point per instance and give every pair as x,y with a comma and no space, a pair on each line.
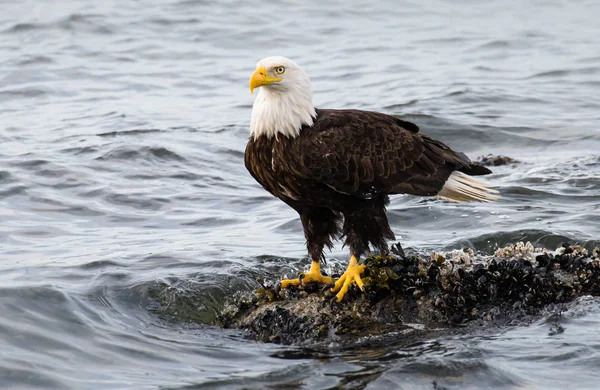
312,276
351,275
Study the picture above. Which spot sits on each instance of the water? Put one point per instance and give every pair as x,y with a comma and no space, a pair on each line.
128,217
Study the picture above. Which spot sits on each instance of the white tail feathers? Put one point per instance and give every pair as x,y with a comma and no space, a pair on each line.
461,187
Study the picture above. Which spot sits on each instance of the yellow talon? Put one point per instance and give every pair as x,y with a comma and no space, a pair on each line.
312,276
351,275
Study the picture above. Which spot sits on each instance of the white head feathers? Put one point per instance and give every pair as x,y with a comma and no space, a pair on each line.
284,100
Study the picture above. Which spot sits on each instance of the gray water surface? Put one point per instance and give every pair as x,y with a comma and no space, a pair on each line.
128,217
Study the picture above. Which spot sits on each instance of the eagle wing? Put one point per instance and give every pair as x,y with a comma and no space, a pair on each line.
363,153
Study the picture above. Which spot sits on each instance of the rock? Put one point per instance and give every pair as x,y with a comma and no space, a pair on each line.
449,291
494,161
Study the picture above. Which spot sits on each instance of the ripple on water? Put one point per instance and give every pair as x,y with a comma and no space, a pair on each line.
6,177
132,132
137,201
146,153
12,191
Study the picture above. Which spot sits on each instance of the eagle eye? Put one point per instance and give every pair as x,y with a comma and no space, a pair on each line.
280,69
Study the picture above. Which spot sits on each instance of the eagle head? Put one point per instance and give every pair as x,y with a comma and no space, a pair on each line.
278,74
284,102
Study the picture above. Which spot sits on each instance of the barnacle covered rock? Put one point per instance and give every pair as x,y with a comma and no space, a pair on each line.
493,161
444,290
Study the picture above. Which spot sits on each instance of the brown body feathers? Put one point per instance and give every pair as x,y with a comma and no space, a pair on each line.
345,165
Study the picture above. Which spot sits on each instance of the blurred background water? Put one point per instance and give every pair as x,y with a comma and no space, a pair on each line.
127,216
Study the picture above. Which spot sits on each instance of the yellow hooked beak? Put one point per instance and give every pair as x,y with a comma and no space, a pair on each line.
260,78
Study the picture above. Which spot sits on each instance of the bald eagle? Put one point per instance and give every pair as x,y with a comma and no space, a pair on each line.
337,168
